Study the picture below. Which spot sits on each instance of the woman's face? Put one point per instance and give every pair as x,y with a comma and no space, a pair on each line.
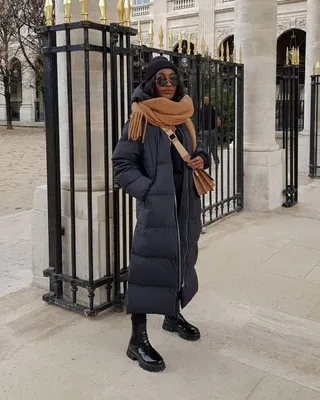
166,83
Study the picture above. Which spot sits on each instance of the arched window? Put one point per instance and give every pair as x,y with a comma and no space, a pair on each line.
15,88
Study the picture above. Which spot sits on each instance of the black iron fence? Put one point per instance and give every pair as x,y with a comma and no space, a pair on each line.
290,114
83,278
314,164
280,104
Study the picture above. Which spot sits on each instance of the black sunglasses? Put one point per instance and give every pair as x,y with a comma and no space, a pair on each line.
162,81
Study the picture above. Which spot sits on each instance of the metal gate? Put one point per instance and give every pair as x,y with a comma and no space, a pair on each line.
314,164
290,110
102,284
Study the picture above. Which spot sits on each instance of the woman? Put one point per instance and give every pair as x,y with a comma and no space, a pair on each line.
164,251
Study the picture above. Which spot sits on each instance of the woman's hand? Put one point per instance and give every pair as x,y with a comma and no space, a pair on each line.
196,163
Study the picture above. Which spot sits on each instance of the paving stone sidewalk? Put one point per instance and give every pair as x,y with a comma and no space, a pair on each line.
258,309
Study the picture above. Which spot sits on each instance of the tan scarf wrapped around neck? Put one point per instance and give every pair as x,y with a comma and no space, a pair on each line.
161,112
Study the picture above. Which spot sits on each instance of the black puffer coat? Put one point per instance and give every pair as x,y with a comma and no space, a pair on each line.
164,251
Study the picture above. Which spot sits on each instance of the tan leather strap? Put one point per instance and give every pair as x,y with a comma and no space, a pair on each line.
177,144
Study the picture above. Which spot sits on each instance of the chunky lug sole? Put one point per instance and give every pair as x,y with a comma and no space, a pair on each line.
147,367
172,328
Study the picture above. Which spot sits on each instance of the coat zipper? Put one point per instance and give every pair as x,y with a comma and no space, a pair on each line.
179,242
187,221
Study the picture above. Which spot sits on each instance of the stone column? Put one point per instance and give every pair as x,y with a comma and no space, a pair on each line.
256,32
40,243
160,19
206,23
27,109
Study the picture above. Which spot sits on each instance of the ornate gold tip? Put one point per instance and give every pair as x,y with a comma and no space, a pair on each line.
139,34
215,51
151,34
103,11
48,12
317,68
170,40
84,9
203,47
161,38
67,10
240,55
180,43
189,44
195,51
121,12
127,12
287,56
228,53
222,52
234,55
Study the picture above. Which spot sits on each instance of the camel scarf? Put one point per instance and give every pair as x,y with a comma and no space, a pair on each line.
163,113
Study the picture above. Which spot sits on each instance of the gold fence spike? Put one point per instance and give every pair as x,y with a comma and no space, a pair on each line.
161,38
293,60
103,11
84,9
240,55
195,51
203,47
127,12
222,51
121,12
170,40
287,56
317,68
189,44
67,10
48,12
298,53
151,34
180,43
228,52
139,34
234,55
216,51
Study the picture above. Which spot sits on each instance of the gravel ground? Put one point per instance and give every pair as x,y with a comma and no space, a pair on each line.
22,166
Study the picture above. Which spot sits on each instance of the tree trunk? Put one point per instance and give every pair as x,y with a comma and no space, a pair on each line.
7,95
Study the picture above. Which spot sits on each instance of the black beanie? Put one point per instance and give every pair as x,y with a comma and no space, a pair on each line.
157,64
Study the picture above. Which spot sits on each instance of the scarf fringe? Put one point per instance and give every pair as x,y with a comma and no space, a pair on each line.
135,126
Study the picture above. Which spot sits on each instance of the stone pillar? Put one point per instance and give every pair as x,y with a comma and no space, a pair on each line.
206,23
312,57
27,111
256,32
160,19
40,242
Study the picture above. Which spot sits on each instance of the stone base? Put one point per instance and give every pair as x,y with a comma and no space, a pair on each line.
263,180
40,240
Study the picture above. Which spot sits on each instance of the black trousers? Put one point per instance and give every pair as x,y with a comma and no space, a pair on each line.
138,319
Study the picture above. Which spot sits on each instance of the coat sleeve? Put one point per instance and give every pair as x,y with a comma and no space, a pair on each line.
128,171
199,152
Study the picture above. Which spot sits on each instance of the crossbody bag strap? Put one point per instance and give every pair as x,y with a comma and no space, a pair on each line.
177,144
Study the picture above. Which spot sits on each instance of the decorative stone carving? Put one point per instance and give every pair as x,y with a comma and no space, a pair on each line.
223,33
293,23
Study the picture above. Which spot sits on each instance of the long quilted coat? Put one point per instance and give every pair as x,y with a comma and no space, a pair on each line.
164,251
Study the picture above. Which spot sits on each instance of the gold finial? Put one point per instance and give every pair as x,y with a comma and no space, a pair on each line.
180,43
189,44
287,56
121,12
317,68
222,51
228,53
195,51
293,56
298,56
234,55
139,34
170,40
161,38
240,55
216,51
151,34
203,47
67,9
84,9
48,12
103,11
127,12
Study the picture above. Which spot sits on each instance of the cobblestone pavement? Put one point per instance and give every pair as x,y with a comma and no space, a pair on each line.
22,167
